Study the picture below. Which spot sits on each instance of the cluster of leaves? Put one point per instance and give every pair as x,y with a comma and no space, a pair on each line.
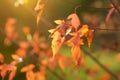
70,27
68,31
34,45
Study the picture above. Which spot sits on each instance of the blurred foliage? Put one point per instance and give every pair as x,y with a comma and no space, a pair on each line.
105,46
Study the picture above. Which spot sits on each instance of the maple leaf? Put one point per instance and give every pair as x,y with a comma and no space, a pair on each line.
75,21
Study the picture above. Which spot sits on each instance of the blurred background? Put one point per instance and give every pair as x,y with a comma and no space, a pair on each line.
21,19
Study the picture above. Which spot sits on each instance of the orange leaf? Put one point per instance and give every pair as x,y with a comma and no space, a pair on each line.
28,68
39,76
1,58
118,57
12,73
61,64
75,20
3,71
89,37
30,75
105,76
76,54
15,57
21,52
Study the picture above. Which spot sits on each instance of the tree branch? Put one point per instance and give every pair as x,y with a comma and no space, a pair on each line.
115,4
97,28
99,63
80,6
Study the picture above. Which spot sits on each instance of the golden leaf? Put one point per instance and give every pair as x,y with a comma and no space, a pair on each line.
58,21
56,42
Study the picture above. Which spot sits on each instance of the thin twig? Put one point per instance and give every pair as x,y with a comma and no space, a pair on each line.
90,7
99,63
115,4
97,28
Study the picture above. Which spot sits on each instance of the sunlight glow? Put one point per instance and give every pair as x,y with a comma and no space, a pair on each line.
20,2
20,59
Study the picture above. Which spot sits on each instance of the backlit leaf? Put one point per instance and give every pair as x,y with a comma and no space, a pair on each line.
90,37
58,21
75,21
76,54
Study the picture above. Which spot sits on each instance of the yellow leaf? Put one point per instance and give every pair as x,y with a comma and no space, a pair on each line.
58,21
56,42
51,30
83,30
